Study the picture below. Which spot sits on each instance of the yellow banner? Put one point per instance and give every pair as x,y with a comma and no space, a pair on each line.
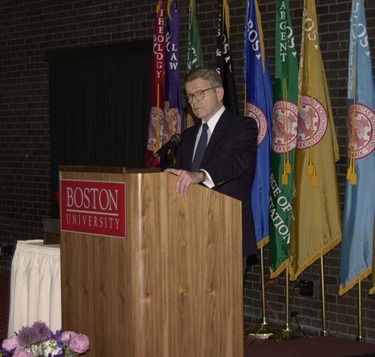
317,225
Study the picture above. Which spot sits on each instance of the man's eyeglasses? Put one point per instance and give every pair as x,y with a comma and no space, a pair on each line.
198,95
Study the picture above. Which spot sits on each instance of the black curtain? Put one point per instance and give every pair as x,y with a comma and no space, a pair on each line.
99,112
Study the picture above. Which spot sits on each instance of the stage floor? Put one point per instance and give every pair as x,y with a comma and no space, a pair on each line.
317,346
313,346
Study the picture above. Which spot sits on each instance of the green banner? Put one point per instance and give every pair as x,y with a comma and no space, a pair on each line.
284,139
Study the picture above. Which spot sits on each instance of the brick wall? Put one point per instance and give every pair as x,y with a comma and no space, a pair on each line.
29,29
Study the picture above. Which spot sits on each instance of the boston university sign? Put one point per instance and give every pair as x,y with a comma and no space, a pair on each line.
93,207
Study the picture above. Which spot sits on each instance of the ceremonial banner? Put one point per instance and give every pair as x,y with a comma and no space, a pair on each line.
156,125
173,122
194,54
317,225
258,88
359,209
224,64
284,139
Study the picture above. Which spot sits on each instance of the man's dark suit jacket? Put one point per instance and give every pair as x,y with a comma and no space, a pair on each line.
230,159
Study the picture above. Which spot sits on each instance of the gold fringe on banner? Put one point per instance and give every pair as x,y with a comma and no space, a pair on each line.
343,290
260,35
169,9
295,274
158,6
226,17
192,8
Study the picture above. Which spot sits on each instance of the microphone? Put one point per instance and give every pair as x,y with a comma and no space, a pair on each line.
173,142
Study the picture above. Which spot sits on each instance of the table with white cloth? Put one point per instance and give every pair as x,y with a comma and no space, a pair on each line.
35,286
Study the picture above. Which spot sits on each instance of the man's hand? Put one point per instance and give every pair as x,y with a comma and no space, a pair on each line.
185,179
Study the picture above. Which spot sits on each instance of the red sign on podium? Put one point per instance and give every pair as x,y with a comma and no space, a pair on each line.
93,207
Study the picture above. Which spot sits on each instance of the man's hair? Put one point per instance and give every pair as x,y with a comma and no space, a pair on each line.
204,73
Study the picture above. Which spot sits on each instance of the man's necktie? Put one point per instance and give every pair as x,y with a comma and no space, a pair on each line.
201,147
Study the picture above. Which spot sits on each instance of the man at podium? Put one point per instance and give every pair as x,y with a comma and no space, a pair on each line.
219,151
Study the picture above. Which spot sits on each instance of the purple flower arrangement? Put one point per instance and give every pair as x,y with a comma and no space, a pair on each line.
39,341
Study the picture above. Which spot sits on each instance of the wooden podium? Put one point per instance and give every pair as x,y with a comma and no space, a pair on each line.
172,287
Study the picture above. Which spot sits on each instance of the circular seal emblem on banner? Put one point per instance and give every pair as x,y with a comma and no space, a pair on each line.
284,129
312,123
364,136
256,113
156,117
172,121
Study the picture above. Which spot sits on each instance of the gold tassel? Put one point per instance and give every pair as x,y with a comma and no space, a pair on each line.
352,174
310,167
284,179
288,167
314,178
349,172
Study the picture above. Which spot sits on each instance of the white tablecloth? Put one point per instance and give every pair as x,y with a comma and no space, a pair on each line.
35,287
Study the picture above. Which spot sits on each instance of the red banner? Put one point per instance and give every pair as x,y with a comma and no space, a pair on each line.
93,207
156,124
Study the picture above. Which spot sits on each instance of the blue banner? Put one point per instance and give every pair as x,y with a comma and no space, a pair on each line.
259,103
173,102
359,209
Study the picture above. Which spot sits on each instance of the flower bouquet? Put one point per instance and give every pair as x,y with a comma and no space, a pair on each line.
39,341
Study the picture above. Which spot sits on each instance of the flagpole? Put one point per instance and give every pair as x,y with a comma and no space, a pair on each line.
324,328
287,333
286,327
359,337
264,318
263,330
